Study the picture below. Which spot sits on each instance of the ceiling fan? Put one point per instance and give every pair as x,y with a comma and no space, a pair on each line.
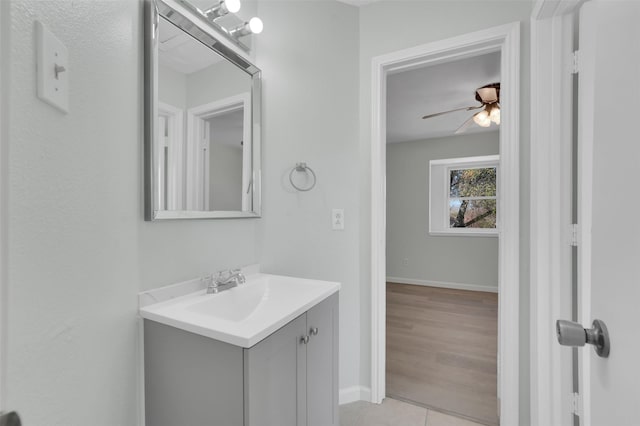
489,97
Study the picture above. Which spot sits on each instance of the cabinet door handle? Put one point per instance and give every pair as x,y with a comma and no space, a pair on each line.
304,340
313,331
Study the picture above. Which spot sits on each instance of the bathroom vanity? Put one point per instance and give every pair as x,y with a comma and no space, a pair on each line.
264,353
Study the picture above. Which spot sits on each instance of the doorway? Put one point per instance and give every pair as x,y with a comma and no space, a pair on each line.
442,236
505,40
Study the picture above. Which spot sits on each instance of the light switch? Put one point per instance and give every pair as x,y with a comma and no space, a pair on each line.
53,69
337,219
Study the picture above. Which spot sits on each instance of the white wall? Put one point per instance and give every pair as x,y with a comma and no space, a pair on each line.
79,248
308,53
172,87
391,25
450,259
225,175
218,81
215,82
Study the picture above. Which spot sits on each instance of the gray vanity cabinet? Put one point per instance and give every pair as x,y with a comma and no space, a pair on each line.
288,379
292,376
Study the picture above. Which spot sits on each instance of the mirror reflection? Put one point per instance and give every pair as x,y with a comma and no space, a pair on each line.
203,148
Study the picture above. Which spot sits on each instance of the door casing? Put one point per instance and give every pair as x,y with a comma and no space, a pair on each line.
4,185
552,46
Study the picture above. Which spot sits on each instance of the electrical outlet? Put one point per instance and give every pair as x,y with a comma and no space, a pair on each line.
337,219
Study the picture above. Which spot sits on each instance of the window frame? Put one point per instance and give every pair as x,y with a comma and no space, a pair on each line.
439,195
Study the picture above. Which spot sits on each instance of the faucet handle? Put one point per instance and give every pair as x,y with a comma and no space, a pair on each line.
223,273
227,274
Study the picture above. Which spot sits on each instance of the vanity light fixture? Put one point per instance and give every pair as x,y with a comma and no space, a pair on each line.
222,8
254,26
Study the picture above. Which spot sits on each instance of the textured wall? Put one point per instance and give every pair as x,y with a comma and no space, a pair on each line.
74,215
79,249
458,259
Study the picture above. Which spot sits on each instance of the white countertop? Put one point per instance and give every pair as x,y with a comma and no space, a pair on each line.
243,315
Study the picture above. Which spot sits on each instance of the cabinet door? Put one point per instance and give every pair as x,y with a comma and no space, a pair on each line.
275,378
190,380
322,364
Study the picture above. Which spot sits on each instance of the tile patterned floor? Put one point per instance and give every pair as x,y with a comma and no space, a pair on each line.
395,413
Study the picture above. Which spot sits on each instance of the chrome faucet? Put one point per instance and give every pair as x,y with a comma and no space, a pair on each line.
224,280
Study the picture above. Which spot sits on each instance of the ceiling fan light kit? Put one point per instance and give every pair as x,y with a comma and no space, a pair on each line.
489,97
482,118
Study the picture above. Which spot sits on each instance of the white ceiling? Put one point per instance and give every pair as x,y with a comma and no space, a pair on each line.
415,93
181,52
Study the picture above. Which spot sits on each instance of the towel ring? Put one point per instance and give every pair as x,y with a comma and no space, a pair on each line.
302,167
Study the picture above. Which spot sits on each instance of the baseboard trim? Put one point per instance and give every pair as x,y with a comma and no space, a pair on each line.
444,284
354,393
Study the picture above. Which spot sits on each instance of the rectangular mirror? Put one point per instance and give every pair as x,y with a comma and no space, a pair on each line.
202,120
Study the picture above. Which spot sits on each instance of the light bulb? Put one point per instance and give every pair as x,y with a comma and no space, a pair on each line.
482,118
255,25
222,9
495,114
232,6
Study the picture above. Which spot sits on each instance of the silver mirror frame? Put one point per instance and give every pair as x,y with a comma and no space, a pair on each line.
220,43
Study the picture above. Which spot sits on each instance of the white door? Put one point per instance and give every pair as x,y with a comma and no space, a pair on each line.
608,169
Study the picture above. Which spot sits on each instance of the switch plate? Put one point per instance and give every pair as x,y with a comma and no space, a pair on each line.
337,219
53,69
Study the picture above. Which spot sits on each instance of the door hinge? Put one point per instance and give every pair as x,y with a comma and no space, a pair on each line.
576,404
575,62
574,235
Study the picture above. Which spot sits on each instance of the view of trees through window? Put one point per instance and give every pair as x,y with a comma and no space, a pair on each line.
472,198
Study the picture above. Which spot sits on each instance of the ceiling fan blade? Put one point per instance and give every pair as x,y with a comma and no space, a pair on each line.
464,126
471,108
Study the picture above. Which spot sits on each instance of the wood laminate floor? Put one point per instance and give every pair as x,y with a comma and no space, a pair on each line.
441,349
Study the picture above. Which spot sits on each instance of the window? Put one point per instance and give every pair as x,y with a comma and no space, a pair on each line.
463,198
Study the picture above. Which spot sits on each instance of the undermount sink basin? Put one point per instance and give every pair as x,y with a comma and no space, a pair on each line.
243,315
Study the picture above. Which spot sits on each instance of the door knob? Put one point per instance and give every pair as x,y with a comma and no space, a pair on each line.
573,334
10,419
313,331
304,339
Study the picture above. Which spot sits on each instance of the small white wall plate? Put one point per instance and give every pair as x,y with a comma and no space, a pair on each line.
52,69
